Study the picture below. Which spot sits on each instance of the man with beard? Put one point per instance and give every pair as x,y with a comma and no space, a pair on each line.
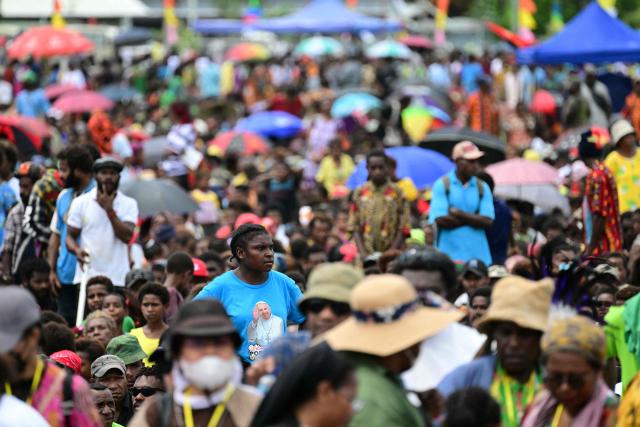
74,163
101,224
63,399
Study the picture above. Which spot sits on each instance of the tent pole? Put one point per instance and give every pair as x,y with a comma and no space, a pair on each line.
515,15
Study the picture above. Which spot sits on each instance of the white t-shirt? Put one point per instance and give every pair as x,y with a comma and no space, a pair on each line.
14,412
109,255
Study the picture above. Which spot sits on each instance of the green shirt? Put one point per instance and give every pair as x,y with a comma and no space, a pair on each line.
617,346
127,324
384,400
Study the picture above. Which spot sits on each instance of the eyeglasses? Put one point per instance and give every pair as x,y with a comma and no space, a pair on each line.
555,380
316,305
603,304
146,391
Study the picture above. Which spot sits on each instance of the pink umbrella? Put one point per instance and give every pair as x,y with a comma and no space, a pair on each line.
519,171
416,41
59,89
83,101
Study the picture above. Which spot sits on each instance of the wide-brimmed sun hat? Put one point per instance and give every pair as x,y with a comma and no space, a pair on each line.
523,302
387,318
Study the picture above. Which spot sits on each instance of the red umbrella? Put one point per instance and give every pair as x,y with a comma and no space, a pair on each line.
508,36
543,102
240,142
416,41
45,42
27,133
59,89
83,101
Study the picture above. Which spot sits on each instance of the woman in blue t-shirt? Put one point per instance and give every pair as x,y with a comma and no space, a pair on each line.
260,301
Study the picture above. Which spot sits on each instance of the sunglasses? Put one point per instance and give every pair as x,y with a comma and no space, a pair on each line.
316,305
146,391
555,380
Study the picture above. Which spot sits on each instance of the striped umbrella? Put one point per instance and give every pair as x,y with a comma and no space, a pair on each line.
239,142
319,46
388,49
247,52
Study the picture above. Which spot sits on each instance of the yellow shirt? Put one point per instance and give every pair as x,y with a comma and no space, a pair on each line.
148,345
330,175
626,171
200,196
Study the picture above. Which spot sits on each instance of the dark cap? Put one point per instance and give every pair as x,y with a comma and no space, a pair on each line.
18,312
107,162
203,318
476,267
137,275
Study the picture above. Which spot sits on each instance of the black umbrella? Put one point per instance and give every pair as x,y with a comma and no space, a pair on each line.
133,36
443,140
159,195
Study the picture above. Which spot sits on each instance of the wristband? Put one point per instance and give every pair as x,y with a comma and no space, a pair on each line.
111,213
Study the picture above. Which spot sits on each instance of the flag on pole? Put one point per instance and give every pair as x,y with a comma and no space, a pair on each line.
527,9
170,22
556,23
57,21
442,10
608,5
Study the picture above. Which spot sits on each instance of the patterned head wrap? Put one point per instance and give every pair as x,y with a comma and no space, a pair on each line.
576,334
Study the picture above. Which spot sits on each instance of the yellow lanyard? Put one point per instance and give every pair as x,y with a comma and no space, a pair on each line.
34,384
217,413
506,389
557,416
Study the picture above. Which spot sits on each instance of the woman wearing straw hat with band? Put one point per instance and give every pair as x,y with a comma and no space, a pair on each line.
516,319
382,338
573,354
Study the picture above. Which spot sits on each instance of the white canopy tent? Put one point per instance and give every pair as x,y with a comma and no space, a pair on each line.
74,8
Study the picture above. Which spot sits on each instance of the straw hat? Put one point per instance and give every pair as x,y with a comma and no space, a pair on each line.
523,302
387,318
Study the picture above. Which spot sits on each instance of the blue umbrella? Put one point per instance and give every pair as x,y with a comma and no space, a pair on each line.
423,166
351,103
120,92
276,124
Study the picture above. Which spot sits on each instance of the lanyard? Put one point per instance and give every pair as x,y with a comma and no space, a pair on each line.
34,384
503,387
217,413
557,416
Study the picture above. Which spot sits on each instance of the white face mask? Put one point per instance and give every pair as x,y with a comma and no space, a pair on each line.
209,372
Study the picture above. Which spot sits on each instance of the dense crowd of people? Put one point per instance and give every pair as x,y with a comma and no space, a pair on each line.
290,297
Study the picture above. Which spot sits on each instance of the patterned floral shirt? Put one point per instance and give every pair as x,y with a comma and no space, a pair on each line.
601,198
378,213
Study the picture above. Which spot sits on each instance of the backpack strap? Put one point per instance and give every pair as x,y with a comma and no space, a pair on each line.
479,184
67,398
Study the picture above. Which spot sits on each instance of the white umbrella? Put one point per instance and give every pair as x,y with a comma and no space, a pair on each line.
546,196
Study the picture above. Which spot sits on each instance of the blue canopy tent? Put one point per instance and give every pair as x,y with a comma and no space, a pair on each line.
219,26
591,36
318,16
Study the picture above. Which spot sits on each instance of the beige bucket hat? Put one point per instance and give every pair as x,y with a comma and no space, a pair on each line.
387,318
523,302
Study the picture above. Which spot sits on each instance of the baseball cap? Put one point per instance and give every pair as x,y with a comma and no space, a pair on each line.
18,311
466,150
137,275
331,281
476,267
127,348
199,268
607,269
498,272
104,364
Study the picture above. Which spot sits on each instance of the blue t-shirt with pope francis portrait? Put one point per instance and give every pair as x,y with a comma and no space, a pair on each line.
260,312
